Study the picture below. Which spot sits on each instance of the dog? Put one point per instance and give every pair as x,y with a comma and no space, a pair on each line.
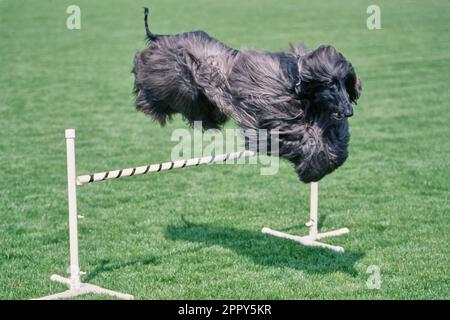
304,96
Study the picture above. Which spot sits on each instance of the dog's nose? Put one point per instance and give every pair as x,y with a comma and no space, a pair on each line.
348,111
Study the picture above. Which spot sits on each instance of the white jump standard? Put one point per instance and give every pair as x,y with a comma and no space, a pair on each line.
76,287
311,239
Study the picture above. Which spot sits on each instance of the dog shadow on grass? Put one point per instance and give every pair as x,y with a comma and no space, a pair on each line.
266,250
262,249
106,265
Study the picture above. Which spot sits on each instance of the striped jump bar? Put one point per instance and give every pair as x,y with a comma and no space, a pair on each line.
129,172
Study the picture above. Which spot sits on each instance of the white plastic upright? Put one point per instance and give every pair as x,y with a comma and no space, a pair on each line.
314,204
76,287
310,240
73,215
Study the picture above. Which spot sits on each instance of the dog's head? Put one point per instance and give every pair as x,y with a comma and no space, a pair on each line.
316,140
328,84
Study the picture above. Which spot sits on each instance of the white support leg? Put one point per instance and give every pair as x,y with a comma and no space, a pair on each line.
313,208
311,239
72,201
83,288
76,287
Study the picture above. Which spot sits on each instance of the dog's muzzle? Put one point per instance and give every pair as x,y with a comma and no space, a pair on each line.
337,116
341,115
348,114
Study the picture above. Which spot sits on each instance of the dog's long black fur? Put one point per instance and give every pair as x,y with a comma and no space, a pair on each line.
306,96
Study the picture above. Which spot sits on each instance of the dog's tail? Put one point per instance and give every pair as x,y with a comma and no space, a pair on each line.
150,35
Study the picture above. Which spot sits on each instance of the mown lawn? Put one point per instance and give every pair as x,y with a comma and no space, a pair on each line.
195,233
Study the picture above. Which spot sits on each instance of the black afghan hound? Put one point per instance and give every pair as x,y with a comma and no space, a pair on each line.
304,96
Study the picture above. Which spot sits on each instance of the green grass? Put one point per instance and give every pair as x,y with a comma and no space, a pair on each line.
195,233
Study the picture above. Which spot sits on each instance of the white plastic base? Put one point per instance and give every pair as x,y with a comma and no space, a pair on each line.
80,289
310,241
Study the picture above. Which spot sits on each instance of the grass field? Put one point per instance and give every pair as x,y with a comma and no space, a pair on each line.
196,233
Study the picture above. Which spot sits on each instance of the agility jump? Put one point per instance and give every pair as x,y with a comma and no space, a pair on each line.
77,288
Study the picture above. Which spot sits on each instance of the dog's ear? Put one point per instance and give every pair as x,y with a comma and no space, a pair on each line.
354,87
